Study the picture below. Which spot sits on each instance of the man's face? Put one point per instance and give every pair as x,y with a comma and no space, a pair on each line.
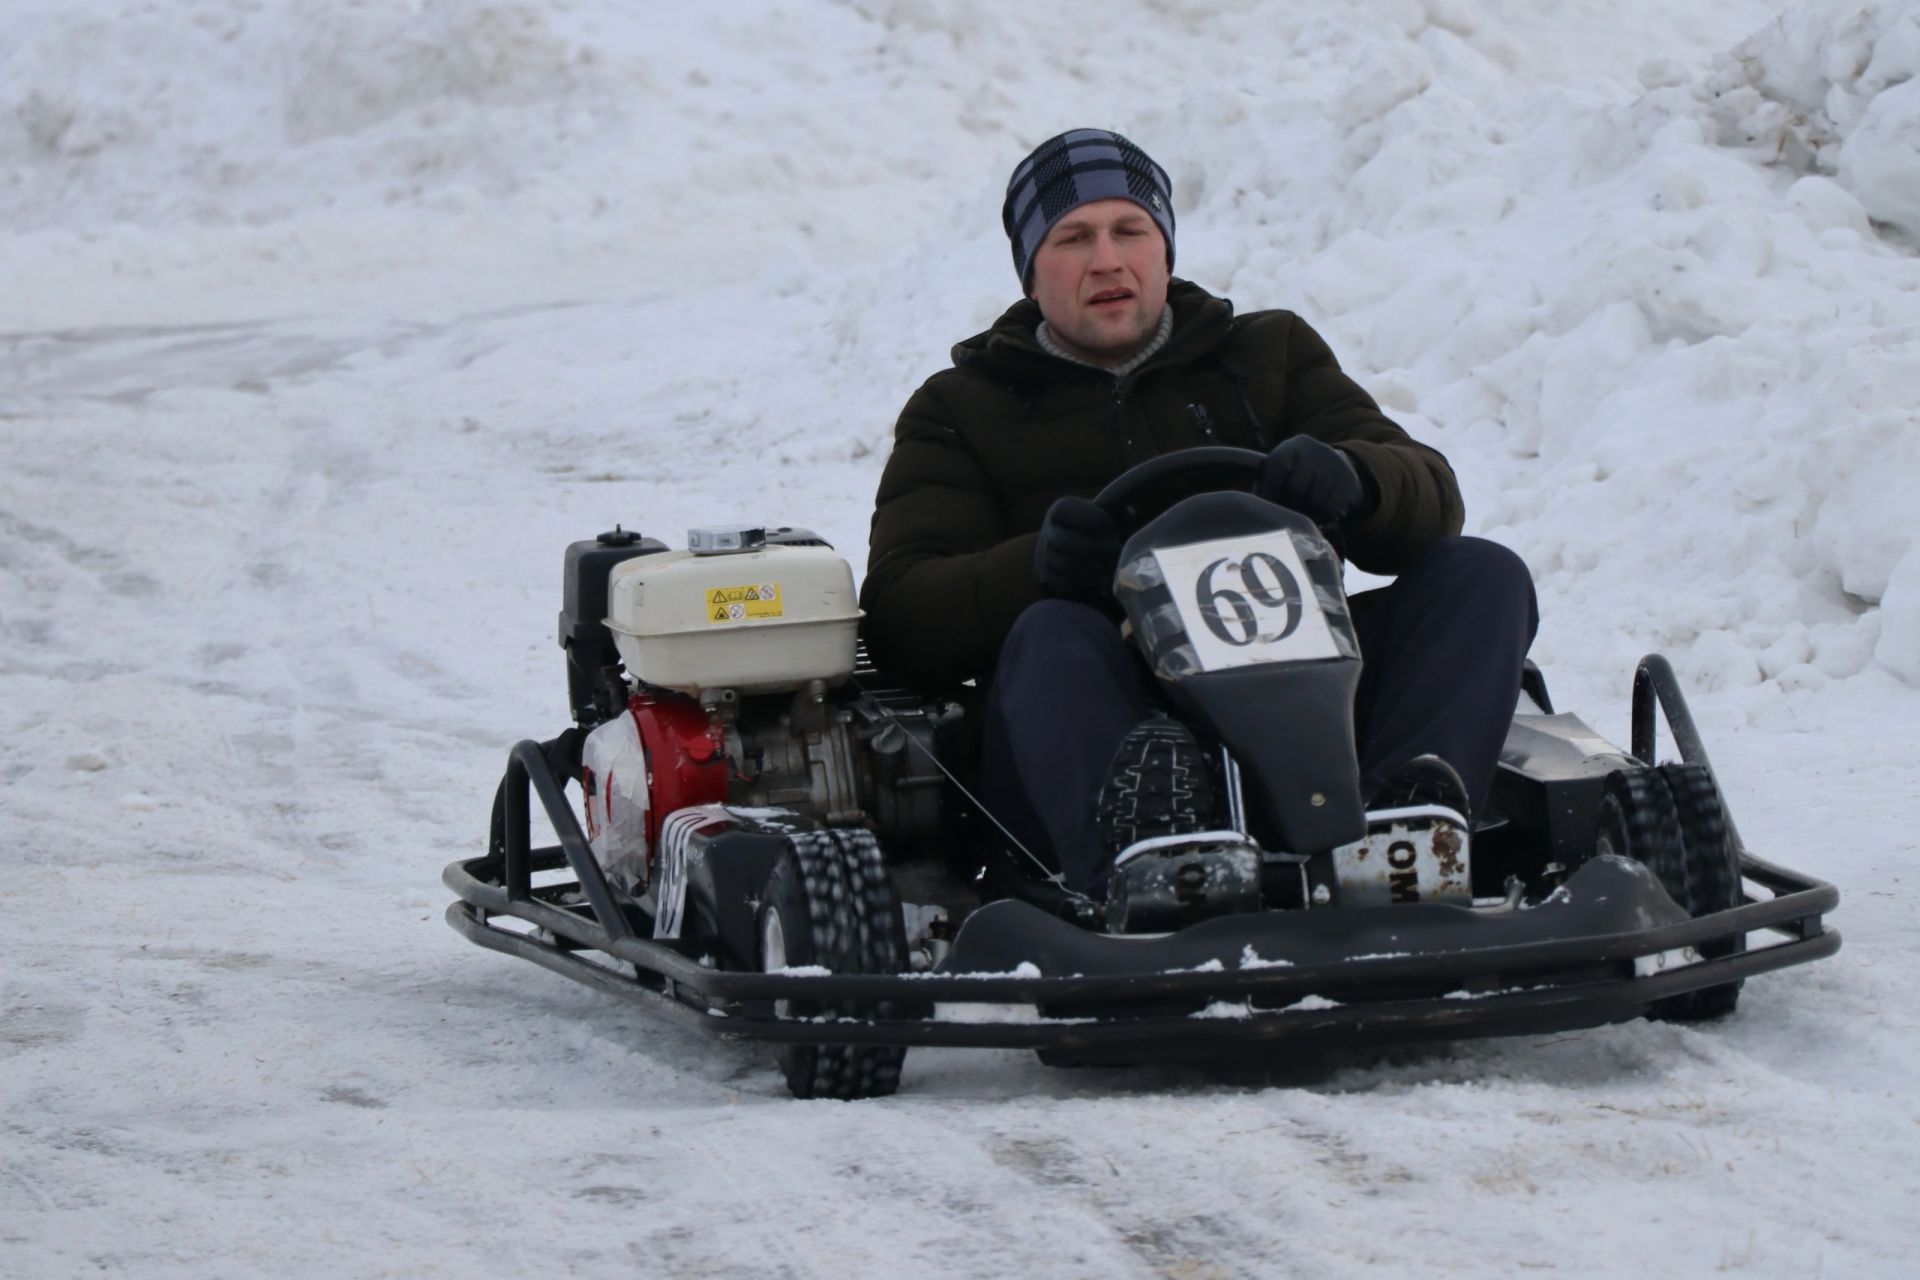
1100,278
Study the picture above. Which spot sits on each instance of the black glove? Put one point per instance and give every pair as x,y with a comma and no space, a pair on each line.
1078,550
1322,483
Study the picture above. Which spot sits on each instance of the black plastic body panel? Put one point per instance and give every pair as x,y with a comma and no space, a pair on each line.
1289,724
726,869
1553,769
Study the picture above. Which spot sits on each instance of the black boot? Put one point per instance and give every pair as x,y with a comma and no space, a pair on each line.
1159,790
1422,780
1157,785
1417,848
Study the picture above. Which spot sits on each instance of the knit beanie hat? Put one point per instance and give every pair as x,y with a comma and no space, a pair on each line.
1076,168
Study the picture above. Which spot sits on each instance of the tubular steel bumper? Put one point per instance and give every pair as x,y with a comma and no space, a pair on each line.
1110,1006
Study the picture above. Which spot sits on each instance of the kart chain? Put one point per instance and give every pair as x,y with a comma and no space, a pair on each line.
855,920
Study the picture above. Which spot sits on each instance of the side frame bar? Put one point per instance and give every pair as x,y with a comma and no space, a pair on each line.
527,766
1655,687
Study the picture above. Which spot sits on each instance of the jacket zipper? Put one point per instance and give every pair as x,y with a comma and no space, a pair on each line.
1203,420
1119,422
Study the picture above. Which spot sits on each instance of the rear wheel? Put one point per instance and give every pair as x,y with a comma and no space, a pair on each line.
831,903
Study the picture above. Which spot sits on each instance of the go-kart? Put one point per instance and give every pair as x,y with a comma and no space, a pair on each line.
775,844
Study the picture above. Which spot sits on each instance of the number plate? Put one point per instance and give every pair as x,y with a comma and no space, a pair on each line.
1247,600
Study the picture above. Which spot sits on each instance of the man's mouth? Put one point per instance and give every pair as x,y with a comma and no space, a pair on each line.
1109,295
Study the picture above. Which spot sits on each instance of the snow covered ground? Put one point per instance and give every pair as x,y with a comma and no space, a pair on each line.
326,326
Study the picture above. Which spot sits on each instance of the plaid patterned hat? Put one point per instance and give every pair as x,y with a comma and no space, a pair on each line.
1076,168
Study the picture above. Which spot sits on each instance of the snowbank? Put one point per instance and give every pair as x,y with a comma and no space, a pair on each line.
1830,87
224,159
1704,356
1666,318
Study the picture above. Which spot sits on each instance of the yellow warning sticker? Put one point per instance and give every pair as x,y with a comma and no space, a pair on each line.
750,603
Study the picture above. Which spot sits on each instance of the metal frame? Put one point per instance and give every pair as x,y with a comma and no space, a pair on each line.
1537,986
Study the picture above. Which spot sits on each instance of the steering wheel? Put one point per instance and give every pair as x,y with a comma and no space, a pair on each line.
1140,493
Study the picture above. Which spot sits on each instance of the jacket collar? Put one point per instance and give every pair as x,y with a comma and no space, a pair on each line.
1009,350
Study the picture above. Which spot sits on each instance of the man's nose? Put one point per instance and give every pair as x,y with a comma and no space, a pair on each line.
1106,253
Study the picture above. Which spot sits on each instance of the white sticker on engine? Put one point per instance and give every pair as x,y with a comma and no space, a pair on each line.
1247,600
749,602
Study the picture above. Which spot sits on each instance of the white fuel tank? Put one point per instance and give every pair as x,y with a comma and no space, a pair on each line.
734,612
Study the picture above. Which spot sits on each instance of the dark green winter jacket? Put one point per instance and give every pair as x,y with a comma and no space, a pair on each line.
983,449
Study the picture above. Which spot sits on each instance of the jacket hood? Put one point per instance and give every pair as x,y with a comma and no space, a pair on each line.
1009,349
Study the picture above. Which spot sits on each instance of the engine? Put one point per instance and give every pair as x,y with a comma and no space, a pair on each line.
725,673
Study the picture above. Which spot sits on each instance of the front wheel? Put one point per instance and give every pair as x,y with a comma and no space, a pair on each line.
1713,881
830,903
1671,821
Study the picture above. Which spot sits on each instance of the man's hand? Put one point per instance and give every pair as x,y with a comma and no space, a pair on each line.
1078,550
1319,481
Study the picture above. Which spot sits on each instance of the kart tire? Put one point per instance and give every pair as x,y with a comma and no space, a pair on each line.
1670,821
830,902
1713,882
1637,820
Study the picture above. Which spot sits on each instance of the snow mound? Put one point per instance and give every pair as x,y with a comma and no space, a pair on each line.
1668,327
1686,310
1831,87
170,164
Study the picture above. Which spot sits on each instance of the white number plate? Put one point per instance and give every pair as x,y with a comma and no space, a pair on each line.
1247,600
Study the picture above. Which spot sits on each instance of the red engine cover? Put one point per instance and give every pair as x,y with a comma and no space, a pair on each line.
686,755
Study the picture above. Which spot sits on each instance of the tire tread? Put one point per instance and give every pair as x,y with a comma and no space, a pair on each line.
854,920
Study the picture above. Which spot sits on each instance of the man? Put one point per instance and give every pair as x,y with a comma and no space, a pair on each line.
988,561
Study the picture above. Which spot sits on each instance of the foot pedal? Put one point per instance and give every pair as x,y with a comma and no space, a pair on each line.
1168,882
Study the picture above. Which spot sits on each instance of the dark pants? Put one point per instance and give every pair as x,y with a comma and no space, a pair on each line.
1442,648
